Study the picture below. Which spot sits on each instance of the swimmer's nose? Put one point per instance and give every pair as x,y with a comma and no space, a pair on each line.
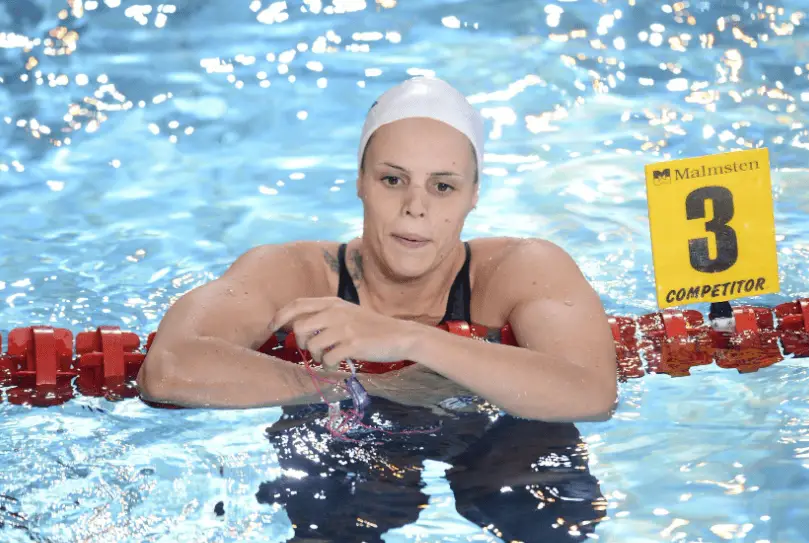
414,204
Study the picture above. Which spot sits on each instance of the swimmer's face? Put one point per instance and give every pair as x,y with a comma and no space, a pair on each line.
418,182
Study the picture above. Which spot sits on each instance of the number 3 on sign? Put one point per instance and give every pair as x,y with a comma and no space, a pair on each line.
712,228
727,248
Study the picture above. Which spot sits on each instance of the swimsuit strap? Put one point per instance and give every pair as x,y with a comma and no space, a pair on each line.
346,289
460,293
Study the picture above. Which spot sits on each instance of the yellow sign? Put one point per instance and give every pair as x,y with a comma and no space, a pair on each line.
712,228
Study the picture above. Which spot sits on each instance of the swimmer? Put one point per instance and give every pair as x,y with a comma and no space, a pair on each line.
378,298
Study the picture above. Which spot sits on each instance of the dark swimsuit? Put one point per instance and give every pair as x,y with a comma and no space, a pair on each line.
370,487
460,293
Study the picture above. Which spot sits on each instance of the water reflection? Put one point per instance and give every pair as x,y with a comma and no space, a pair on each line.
146,145
516,479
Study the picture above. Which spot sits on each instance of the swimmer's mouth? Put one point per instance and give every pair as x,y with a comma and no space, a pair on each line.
412,238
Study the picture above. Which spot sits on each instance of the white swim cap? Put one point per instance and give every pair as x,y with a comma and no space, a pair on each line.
425,97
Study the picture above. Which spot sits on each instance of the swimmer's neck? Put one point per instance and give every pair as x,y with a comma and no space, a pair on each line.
423,298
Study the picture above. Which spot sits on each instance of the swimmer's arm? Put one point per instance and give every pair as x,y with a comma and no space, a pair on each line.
205,351
566,368
213,373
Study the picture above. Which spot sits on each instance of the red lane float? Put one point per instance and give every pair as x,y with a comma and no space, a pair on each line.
672,342
793,327
624,334
39,363
40,366
108,362
751,345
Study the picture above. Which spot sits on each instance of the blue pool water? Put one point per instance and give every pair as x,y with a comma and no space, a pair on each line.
145,146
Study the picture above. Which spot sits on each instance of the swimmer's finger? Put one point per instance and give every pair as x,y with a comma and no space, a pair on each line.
298,309
322,343
333,357
310,326
285,317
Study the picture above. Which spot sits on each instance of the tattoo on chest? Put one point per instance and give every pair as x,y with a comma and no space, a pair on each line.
354,270
331,260
356,258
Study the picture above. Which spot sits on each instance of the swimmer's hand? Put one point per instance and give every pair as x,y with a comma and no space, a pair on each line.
333,330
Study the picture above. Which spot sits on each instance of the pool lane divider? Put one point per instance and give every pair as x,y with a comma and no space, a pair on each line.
674,341
44,366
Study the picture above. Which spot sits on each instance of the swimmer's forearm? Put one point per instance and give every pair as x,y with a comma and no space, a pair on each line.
522,382
210,372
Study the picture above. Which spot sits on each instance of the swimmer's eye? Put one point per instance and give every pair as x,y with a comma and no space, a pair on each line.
391,180
444,187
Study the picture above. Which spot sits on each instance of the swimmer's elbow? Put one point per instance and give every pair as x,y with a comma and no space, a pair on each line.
585,408
155,376
599,400
599,415
602,408
574,416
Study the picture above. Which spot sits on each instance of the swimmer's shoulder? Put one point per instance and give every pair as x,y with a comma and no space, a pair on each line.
490,254
312,265
503,267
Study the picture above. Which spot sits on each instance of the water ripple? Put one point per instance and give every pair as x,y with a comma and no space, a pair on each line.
145,146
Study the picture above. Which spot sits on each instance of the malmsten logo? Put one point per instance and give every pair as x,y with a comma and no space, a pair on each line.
664,176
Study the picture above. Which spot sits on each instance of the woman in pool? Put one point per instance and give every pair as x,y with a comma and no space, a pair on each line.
378,298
